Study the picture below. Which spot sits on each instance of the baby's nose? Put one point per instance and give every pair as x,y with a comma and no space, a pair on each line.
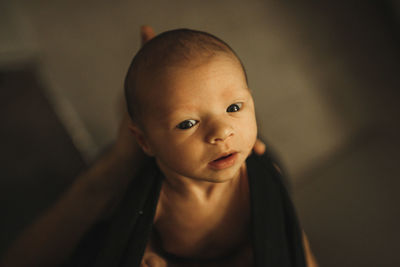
219,132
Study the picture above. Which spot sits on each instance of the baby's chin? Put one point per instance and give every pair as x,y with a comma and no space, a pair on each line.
226,176
216,180
208,173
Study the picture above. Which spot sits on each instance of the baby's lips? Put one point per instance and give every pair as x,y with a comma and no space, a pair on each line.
223,155
224,162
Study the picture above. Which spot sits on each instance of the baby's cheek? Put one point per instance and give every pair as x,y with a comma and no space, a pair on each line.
251,134
178,155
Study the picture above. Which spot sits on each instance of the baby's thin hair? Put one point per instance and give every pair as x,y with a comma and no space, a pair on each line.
170,48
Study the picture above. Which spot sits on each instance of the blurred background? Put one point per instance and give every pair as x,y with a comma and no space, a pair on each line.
325,77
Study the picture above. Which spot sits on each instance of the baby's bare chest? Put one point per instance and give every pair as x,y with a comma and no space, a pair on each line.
203,230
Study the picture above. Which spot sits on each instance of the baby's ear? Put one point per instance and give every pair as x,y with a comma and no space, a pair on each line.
141,138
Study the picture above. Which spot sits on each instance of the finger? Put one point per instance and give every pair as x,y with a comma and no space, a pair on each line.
259,147
146,33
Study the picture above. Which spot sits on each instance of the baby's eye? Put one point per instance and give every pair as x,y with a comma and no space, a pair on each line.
186,124
234,107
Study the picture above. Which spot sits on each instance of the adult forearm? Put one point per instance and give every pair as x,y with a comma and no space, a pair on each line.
54,235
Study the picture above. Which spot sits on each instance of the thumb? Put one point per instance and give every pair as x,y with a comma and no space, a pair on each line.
259,147
146,33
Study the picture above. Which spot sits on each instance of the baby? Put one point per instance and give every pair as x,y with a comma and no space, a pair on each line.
192,111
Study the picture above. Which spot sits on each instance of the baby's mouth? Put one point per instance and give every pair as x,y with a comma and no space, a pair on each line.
224,161
223,157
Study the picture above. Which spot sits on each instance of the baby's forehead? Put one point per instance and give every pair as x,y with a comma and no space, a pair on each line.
181,82
158,76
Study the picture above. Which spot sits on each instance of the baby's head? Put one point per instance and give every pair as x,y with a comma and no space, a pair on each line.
191,108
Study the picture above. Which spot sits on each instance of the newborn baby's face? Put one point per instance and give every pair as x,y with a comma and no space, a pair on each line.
199,121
